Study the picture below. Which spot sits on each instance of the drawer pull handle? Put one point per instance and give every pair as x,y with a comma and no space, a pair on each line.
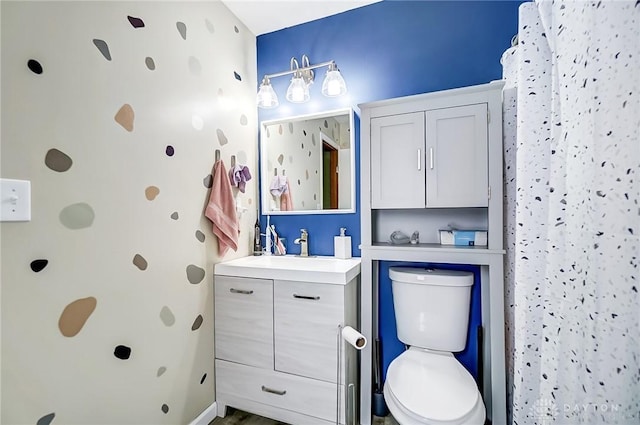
272,391
241,291
306,297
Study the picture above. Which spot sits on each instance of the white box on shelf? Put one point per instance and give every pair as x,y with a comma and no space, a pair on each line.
463,237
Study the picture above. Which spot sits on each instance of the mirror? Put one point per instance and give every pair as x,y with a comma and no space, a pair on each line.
308,164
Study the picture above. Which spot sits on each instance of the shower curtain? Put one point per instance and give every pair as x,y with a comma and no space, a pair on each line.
572,165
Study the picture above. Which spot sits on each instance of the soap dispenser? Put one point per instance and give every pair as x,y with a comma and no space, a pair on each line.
342,244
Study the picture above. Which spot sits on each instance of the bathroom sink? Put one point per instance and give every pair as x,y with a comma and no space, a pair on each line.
319,269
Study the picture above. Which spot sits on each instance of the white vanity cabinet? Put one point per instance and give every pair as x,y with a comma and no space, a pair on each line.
277,345
432,158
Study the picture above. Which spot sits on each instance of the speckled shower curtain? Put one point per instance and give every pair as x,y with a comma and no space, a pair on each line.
572,163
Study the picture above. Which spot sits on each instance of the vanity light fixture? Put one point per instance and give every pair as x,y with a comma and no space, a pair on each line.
298,91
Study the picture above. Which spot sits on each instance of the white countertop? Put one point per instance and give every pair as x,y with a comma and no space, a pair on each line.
316,269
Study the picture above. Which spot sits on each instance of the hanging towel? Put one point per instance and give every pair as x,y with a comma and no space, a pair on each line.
278,185
221,210
286,201
239,175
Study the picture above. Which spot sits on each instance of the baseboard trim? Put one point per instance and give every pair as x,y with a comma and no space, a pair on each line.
207,415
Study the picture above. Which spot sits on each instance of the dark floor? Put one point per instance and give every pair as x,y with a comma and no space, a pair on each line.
238,417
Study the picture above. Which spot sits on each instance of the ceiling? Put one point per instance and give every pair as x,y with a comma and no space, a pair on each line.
264,16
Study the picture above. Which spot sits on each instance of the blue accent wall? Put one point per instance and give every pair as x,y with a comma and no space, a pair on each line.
386,50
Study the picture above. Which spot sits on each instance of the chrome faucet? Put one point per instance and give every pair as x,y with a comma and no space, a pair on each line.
303,241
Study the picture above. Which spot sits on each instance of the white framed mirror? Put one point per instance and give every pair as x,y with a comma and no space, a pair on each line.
308,164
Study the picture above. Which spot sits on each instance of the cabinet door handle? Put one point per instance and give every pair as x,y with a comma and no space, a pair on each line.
272,391
431,158
419,159
241,291
306,297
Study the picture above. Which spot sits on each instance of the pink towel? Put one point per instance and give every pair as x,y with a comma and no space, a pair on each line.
221,210
286,201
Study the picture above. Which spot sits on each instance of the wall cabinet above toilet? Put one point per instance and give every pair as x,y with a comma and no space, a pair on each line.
433,158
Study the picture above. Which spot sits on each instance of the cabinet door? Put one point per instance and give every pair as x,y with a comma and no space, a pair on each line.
244,320
457,157
306,319
397,161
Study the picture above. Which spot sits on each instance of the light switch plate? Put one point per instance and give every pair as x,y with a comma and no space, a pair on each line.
15,198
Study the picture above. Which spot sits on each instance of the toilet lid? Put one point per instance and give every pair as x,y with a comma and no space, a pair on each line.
432,385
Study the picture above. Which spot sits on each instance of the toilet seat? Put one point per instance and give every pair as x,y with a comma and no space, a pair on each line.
427,387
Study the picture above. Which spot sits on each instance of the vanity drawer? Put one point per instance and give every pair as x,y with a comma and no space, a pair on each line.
244,320
306,319
281,390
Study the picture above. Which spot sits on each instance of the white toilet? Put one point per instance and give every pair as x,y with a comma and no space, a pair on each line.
426,384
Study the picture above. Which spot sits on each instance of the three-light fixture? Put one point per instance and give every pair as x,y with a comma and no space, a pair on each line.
298,91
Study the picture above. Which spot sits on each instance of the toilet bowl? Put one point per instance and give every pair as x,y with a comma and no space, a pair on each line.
426,384
432,388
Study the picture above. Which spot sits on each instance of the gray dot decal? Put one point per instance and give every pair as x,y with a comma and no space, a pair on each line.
237,76
151,192
182,29
46,419
280,159
167,316
326,124
199,236
140,262
34,66
194,66
243,119
280,131
208,181
57,160
77,216
75,315
197,323
209,26
38,265
165,408
221,137
235,28
169,150
306,173
135,22
150,63
175,215
125,117
122,352
194,274
291,127
161,370
313,139
103,48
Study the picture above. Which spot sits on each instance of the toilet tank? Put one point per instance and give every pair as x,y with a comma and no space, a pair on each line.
431,307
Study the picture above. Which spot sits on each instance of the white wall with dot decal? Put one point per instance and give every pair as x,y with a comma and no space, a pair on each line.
107,305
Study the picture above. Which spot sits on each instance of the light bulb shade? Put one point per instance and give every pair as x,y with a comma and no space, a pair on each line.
298,91
266,97
333,84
